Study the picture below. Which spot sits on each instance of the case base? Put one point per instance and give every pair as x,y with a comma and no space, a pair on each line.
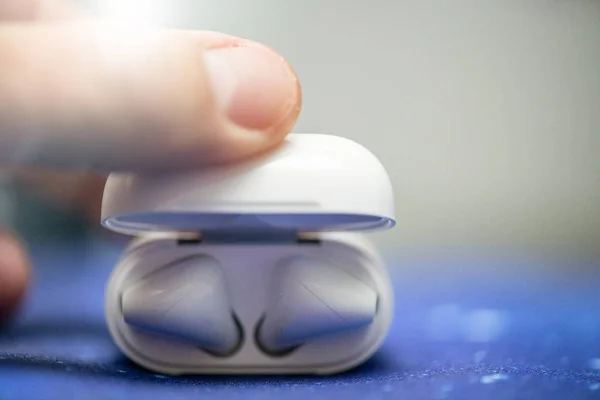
258,296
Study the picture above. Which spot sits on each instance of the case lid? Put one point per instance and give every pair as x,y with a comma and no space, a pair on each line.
312,183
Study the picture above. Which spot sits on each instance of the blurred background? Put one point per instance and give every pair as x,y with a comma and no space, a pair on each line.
486,114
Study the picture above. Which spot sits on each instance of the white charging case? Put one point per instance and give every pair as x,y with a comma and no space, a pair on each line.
253,268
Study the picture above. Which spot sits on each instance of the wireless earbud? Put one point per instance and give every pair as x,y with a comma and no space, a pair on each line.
185,301
312,299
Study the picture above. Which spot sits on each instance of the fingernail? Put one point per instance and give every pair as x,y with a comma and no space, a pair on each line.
253,85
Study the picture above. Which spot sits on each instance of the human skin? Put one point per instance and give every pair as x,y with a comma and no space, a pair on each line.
78,100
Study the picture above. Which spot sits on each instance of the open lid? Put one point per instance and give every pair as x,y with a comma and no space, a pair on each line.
312,183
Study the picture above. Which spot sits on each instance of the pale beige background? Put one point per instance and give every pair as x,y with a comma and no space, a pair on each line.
485,113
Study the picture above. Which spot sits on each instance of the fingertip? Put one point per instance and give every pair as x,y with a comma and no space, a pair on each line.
14,276
258,91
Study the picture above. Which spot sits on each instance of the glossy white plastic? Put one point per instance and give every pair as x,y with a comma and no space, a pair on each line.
312,183
262,285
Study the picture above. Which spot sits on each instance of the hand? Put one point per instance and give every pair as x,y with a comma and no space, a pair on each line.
80,98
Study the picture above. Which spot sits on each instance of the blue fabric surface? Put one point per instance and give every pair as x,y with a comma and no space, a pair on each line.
465,328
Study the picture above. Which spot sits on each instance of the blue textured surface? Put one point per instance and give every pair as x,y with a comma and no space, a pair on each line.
465,328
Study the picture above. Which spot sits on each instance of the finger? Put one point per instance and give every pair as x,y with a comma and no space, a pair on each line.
44,10
87,95
14,276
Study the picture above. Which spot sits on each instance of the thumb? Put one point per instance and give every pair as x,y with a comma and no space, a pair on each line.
92,95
